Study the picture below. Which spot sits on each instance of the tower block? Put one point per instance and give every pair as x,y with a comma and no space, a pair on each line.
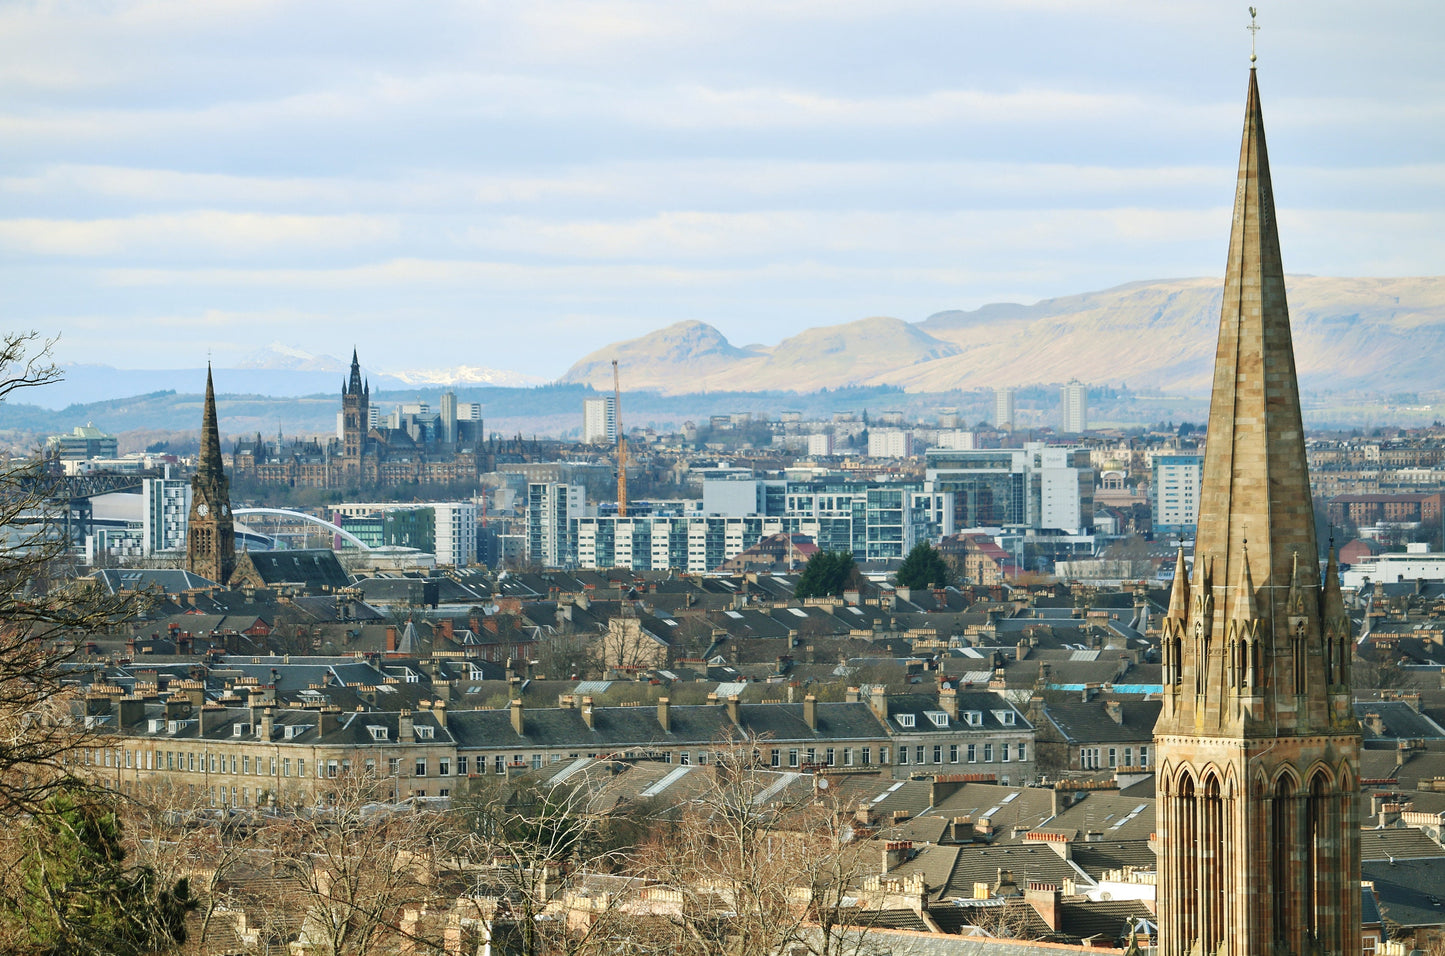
1257,743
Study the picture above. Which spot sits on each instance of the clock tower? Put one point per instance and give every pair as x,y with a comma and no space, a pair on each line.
211,532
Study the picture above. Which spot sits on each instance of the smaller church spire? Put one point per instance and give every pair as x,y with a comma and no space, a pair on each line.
1331,599
1244,608
353,386
1179,593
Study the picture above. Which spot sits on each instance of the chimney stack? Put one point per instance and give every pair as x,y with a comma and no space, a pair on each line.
810,712
733,710
518,721
405,728
664,715
587,712
1115,710
1044,898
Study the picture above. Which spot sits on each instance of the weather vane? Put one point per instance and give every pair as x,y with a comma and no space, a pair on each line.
1253,29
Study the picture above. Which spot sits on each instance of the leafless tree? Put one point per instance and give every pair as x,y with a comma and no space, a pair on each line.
44,611
353,862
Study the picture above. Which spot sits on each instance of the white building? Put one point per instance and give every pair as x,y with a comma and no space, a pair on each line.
1074,408
955,438
820,445
889,443
551,508
456,532
1174,493
1003,408
166,504
599,421
1418,564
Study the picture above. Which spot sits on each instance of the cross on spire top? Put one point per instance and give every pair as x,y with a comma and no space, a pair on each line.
1253,29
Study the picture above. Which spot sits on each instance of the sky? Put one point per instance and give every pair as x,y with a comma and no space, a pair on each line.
515,184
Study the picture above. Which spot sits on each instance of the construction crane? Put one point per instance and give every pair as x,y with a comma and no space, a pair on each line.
621,442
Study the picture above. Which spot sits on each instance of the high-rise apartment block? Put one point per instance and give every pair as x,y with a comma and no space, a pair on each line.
551,529
599,421
1174,493
1003,408
1074,408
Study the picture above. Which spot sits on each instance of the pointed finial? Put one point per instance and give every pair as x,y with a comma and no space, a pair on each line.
1253,29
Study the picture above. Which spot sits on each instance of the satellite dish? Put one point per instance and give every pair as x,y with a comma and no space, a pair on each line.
823,784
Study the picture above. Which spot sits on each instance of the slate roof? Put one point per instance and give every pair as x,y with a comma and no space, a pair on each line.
164,580
1107,813
1401,722
1409,891
1399,843
1078,722
316,568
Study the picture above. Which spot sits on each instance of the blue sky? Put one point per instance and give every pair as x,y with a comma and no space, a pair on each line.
515,184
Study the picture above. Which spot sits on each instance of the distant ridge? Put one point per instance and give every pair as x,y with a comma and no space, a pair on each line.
1384,334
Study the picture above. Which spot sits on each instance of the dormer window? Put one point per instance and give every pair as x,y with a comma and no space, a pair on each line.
974,718
904,720
1005,717
939,718
377,733
424,733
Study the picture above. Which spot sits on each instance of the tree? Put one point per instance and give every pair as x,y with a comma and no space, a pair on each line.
924,567
71,891
826,574
354,863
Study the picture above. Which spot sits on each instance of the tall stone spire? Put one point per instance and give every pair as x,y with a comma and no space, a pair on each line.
210,531
1256,482
353,386
209,459
1257,745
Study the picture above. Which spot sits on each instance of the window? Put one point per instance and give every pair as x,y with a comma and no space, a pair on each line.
792,758
939,718
191,761
777,757
974,718
444,792
377,733
902,756
461,766
1143,756
904,720
938,753
444,766
246,764
953,753
988,753
501,764
300,767
867,756
684,758
812,756
393,766
1005,717
330,768
1003,752
1128,756
273,767
1022,752
424,733
420,767
536,761
828,756
883,755
919,754
973,753
702,757
1113,758
847,756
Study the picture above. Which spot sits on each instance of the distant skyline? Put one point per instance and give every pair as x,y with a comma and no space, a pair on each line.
515,185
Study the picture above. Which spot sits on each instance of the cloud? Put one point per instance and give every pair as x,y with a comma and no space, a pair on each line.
184,233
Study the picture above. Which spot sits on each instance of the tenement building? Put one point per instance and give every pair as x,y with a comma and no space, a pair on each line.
1257,744
249,752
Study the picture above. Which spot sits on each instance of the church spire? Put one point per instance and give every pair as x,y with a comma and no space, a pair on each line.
209,460
1256,482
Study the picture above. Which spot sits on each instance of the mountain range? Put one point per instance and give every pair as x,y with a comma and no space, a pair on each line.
1380,334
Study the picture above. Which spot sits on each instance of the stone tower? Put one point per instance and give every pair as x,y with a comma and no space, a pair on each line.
211,531
1257,744
355,418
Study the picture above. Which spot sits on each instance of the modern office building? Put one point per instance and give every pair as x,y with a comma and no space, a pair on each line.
85,441
456,533
1038,487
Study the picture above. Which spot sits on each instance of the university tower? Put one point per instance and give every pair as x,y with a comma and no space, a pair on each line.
1257,744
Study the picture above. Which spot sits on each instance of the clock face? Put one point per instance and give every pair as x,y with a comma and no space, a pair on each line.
203,509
